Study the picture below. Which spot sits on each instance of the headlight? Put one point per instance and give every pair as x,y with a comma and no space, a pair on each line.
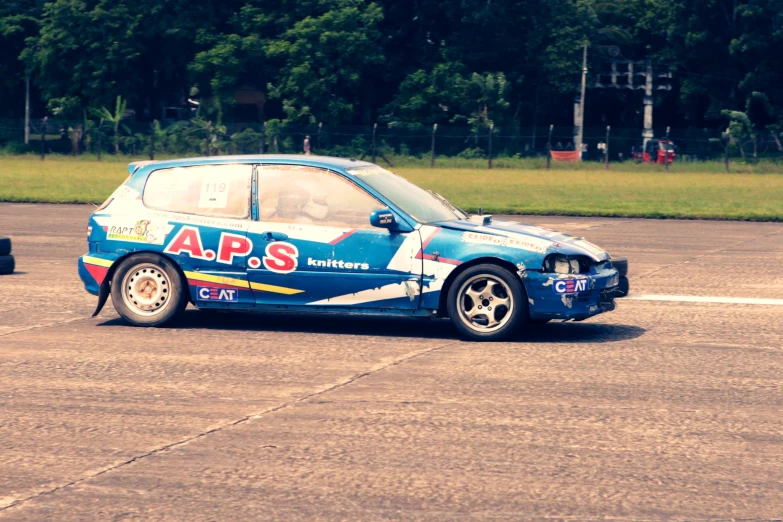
561,264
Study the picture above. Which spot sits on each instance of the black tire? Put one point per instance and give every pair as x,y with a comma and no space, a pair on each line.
623,288
155,271
517,314
7,265
5,246
621,265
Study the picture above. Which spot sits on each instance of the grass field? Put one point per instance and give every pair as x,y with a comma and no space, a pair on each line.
625,190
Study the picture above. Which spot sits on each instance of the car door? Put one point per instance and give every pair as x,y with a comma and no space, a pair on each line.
206,211
313,244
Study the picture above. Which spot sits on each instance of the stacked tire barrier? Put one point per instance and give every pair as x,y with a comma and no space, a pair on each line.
7,264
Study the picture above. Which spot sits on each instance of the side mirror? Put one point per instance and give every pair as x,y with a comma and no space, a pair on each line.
383,218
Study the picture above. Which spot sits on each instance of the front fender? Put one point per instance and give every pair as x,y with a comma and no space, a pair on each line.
460,246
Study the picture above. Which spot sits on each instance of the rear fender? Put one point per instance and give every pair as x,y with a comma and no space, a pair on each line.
103,294
105,289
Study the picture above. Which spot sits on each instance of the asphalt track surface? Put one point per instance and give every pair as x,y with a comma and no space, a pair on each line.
663,409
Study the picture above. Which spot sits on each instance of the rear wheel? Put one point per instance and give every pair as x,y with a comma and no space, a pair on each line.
147,290
487,303
621,265
623,288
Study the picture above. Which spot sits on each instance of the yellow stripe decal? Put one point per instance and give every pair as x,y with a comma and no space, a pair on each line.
230,281
275,289
97,261
200,276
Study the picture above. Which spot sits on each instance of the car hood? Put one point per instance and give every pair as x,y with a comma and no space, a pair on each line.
540,239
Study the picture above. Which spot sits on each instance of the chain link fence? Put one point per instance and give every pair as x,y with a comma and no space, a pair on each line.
378,142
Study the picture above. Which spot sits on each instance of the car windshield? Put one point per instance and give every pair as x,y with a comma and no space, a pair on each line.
422,205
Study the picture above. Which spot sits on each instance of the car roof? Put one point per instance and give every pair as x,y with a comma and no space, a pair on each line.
298,159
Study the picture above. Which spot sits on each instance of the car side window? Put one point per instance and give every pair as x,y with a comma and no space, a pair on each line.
309,195
207,190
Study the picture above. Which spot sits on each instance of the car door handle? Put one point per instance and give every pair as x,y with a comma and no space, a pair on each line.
274,236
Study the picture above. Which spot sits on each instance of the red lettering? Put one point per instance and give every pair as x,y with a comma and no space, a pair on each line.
233,245
187,240
281,258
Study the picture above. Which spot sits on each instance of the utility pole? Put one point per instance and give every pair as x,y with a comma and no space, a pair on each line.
27,111
666,152
43,136
152,140
726,142
618,79
489,151
581,123
432,147
647,133
374,128
549,148
606,148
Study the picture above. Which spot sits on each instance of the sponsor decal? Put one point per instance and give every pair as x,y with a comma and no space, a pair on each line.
143,231
233,245
337,263
188,241
532,244
528,244
570,286
226,295
281,257
238,224
385,219
484,239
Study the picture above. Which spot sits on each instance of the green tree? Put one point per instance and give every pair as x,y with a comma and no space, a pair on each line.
325,61
19,20
84,49
346,61
429,97
114,119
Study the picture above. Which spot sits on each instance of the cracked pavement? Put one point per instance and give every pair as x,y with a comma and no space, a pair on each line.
659,410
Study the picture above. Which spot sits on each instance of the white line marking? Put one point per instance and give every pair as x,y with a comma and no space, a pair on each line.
706,299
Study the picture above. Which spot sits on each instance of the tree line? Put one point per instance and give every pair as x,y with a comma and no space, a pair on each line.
356,62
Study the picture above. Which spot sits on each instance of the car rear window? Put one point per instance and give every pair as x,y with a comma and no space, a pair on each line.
208,190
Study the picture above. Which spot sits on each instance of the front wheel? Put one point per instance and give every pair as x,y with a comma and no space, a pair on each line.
147,290
487,303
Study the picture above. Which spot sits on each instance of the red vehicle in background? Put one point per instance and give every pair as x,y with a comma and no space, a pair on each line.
656,151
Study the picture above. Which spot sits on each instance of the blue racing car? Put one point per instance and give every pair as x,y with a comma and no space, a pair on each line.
306,233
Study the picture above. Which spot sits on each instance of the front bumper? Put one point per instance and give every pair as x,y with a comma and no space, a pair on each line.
547,297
